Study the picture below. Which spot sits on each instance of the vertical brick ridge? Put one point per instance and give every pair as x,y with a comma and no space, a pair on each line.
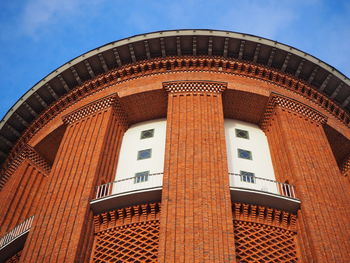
106,173
302,155
60,227
21,196
291,105
196,220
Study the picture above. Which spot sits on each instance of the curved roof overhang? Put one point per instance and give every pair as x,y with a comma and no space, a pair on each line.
281,57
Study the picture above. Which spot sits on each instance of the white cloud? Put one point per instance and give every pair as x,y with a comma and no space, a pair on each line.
39,15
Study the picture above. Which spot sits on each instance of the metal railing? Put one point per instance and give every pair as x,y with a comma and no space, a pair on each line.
16,232
111,188
262,184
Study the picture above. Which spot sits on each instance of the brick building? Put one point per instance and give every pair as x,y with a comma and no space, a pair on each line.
179,146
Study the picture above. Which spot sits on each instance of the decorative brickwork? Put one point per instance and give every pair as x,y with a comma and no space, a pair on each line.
97,106
264,215
15,258
262,243
127,235
346,167
264,234
173,64
194,87
290,105
136,242
32,156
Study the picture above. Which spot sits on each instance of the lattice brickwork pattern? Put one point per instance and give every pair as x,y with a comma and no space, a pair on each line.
136,242
128,234
293,106
194,86
30,154
262,243
15,258
264,234
95,107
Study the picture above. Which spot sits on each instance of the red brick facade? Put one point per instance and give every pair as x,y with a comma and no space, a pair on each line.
197,221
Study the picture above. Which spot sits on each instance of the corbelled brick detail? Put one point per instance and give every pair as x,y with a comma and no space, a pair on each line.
27,153
290,105
264,215
194,87
175,64
302,156
196,220
346,167
98,106
128,234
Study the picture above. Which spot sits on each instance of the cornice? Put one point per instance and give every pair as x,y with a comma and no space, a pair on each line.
291,105
172,65
194,87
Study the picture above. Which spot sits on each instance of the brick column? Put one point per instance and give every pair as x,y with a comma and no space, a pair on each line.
63,229
196,219
302,155
21,195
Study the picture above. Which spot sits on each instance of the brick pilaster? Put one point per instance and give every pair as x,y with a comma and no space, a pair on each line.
196,219
302,155
20,197
63,229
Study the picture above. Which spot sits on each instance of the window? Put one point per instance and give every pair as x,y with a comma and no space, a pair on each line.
247,177
245,154
144,154
242,134
141,177
147,134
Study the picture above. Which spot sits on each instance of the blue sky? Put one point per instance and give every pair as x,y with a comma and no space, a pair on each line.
37,36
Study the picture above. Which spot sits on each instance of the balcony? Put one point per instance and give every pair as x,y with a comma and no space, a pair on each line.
14,240
148,187
262,191
127,192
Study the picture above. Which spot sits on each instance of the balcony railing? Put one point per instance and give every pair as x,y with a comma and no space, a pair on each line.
261,184
139,182
16,232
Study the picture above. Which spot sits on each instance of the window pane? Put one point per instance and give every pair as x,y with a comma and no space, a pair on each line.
144,154
147,134
245,154
247,177
242,134
141,177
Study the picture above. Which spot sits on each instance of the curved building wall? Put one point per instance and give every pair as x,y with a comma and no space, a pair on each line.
141,158
248,155
68,161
